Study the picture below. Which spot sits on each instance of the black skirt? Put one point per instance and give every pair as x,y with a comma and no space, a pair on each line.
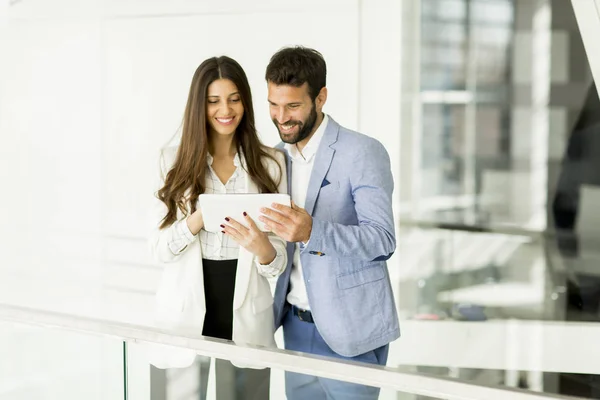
219,287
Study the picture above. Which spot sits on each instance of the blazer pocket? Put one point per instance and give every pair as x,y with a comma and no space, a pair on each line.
360,277
261,303
332,187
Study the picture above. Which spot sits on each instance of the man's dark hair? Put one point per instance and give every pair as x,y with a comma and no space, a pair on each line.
296,65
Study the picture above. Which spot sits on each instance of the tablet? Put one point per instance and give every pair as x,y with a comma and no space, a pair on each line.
215,207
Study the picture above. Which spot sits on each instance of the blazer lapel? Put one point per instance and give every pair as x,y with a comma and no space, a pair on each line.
242,277
288,165
323,160
245,258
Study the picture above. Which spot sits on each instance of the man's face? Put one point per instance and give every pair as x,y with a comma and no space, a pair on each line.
292,111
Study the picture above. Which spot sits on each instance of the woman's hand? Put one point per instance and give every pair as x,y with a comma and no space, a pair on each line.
195,222
251,238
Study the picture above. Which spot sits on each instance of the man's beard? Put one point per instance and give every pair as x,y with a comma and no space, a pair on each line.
305,128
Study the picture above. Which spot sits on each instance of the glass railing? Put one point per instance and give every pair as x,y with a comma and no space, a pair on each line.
49,355
480,306
499,305
48,364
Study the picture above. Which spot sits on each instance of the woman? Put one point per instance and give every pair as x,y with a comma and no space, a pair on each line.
220,152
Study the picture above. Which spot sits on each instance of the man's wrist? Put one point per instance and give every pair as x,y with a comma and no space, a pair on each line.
309,233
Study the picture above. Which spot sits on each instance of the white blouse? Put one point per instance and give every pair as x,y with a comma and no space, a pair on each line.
218,246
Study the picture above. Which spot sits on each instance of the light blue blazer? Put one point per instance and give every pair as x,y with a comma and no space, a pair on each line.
344,264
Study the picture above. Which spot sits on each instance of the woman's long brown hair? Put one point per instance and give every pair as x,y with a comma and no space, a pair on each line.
190,167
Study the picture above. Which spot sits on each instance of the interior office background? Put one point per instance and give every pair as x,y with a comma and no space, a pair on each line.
487,108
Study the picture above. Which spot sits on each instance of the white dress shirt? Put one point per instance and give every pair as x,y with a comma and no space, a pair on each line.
218,246
302,166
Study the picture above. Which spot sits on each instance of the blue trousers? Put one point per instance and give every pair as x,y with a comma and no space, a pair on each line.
304,336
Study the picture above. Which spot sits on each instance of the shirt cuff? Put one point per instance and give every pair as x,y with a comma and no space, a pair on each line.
182,237
273,269
185,231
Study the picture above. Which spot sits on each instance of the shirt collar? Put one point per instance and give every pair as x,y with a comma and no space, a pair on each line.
237,160
312,146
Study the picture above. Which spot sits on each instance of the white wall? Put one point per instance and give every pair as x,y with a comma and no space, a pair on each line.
51,130
149,64
380,75
91,90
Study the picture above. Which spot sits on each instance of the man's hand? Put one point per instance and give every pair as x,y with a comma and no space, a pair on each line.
291,224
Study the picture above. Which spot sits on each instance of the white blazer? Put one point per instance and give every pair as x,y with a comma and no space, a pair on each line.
180,298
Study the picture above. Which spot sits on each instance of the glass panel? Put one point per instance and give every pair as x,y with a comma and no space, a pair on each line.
492,11
443,50
448,9
482,306
442,156
47,364
522,275
503,106
468,133
217,379
472,276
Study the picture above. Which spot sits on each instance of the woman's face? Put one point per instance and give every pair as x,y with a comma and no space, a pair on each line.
224,109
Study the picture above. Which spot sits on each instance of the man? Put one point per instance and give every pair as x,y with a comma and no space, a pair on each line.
336,298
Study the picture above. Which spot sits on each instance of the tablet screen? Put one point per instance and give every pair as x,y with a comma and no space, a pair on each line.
215,207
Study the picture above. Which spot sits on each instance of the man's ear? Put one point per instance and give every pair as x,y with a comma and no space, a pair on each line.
321,98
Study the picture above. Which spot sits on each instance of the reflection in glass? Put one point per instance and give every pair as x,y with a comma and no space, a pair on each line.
509,143
466,107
